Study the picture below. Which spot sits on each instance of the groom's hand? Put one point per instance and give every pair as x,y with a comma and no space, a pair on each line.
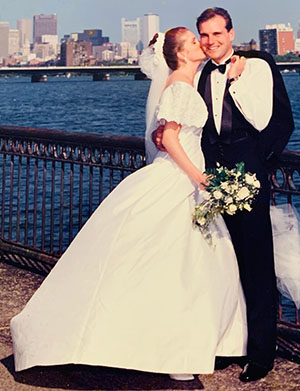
157,136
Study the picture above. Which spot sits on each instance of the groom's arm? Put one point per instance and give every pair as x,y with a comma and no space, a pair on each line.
253,93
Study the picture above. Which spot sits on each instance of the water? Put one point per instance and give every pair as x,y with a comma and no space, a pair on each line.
292,82
81,105
76,104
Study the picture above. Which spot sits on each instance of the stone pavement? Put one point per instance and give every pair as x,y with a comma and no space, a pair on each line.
16,287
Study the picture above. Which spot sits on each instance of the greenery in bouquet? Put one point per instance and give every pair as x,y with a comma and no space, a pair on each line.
229,191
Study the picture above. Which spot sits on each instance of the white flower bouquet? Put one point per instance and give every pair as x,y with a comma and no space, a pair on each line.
228,192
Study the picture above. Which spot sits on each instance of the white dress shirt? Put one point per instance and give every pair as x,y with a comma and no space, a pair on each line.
252,93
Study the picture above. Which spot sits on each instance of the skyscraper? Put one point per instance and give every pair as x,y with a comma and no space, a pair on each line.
284,38
4,38
13,42
44,25
131,34
24,27
298,32
268,40
149,26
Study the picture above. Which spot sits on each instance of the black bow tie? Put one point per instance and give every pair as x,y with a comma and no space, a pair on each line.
221,68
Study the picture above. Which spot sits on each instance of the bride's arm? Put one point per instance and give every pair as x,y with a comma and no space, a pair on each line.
171,143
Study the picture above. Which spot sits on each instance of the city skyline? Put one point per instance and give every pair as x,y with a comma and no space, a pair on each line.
76,15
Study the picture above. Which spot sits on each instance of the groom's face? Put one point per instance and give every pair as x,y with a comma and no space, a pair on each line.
215,39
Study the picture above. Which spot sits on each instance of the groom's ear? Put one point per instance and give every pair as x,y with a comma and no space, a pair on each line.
232,34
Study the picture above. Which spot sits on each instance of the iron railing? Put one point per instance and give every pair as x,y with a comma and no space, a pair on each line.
52,181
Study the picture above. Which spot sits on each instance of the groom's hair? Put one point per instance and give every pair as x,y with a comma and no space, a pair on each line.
210,13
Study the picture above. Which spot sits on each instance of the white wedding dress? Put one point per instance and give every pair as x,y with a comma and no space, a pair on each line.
139,288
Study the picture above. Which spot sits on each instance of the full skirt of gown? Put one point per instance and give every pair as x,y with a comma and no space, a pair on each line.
138,287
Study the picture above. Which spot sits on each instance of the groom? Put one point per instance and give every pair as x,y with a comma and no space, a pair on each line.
249,120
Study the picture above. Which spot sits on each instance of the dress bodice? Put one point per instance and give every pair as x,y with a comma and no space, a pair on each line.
181,103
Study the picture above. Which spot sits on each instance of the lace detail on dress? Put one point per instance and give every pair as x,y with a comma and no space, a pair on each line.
181,103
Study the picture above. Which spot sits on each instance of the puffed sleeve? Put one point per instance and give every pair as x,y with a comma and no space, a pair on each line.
181,103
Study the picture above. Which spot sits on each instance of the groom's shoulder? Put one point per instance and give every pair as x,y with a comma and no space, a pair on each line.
257,54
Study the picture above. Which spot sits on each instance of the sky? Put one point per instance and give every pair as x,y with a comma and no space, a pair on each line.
76,15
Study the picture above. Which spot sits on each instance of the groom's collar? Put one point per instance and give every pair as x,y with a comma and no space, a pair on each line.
225,61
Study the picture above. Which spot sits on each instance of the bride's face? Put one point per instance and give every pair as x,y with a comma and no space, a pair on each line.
191,47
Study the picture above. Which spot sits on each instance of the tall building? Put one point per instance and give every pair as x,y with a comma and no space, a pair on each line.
42,51
94,36
298,32
75,53
24,27
52,41
149,26
131,34
44,25
123,50
268,41
284,37
4,39
13,42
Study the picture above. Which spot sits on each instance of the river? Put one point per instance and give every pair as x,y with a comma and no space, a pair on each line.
81,105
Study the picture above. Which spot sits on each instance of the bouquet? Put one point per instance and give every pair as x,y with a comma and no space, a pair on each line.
228,192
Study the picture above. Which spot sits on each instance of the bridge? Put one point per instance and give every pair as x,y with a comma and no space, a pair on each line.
100,72
289,66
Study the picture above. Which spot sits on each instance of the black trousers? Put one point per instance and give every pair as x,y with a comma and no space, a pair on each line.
251,234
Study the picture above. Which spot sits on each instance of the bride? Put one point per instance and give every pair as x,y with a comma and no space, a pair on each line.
139,288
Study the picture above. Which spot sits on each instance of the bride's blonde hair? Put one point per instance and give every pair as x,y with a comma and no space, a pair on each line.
172,45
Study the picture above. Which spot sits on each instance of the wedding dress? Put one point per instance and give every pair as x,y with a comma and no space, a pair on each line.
138,287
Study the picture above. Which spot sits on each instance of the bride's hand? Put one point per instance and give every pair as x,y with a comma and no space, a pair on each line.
153,40
237,66
202,181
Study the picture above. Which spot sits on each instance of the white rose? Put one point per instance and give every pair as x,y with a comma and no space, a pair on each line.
202,221
231,210
217,194
249,179
243,193
256,184
224,185
228,200
206,195
247,207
